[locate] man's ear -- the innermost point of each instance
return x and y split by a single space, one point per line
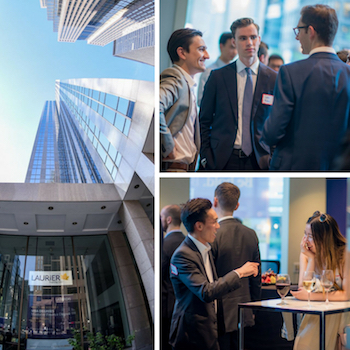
181 53
215 202
234 42
198 226
312 32
169 219
236 206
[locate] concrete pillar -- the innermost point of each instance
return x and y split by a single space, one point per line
139 232
132 293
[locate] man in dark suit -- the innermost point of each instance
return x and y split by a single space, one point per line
235 244
310 114
237 100
171 220
197 316
179 126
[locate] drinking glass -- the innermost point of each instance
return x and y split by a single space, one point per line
327 281
309 283
282 286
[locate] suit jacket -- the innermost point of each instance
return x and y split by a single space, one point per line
235 244
219 116
175 105
170 243
194 324
310 115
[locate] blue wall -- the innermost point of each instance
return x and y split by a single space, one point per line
336 201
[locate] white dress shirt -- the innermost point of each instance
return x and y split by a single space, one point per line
322 49
204 250
185 147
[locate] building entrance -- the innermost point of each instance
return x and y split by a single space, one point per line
50 286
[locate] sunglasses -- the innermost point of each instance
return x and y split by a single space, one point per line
322 218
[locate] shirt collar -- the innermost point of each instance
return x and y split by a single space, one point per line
172 232
241 66
322 49
225 218
203 248
188 78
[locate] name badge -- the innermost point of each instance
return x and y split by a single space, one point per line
174 270
267 99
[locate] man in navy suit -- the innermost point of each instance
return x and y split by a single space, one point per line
310 113
236 101
197 318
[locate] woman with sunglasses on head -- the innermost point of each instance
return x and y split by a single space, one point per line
323 247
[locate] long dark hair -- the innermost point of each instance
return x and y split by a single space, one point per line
330 243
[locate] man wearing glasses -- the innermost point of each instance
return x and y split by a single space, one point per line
310 113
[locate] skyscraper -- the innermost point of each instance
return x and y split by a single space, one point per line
91 222
129 23
95 130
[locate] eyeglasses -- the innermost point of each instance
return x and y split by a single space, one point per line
322 217
297 30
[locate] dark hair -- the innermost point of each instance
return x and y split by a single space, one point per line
343 55
275 57
240 23
181 38
174 211
323 19
224 37
194 210
329 242
263 49
228 195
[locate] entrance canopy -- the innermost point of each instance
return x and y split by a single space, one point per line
56 208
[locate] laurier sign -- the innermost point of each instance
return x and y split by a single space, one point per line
50 278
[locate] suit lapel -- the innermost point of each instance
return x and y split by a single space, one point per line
190 99
211 260
259 88
230 80
190 243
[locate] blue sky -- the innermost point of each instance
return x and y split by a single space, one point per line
31 60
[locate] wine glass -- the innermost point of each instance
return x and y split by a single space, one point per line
309 280
282 286
327 281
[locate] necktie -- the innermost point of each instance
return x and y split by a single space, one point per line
246 114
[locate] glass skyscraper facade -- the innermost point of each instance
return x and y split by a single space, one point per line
127 23
77 134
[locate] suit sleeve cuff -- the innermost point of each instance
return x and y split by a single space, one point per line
239 276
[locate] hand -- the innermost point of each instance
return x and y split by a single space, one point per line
171 155
305 248
300 294
248 269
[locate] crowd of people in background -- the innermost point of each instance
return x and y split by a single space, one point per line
254 112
